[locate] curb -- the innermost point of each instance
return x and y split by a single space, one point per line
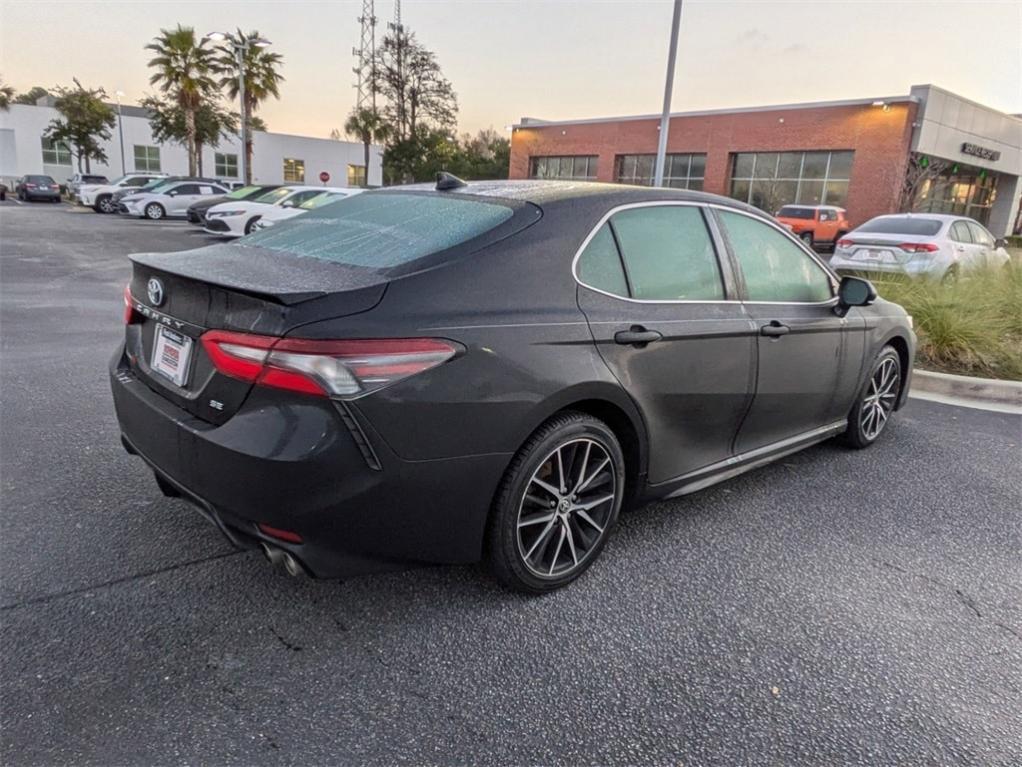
985 390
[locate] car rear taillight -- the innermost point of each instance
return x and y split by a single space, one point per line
325 368
845 243
282 535
919 247
30 186
130 315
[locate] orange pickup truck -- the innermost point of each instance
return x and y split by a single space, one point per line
815 223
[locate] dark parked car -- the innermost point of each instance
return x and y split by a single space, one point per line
197 210
490 370
30 188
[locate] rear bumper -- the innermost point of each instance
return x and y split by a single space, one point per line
303 464
933 268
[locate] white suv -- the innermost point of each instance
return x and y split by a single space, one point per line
99 197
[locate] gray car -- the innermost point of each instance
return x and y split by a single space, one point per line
491 370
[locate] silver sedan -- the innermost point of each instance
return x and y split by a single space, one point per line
928 245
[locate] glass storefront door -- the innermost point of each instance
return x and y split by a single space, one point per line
962 191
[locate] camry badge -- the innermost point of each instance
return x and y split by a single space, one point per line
154 289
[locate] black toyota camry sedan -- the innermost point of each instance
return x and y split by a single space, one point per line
490 371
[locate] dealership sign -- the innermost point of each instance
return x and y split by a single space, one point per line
981 152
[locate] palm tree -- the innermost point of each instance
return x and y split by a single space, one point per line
183 71
368 127
6 96
262 79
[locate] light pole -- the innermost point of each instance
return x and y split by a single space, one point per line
241 46
120 128
665 118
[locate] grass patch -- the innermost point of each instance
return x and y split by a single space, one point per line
970 327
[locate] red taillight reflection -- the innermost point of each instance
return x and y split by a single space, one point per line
280 535
130 315
845 243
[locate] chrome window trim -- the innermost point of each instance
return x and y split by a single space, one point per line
688 203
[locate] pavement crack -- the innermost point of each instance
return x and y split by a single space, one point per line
289 645
44 598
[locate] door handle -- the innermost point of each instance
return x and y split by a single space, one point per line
775 329
637 335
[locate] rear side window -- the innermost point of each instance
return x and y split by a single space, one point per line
382 230
775 268
960 232
980 235
790 211
600 267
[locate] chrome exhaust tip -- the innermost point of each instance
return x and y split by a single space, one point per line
291 565
273 556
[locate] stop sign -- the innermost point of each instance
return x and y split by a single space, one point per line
324 176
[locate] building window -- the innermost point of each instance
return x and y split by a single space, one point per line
770 180
147 158
226 165
294 171
575 167
961 191
55 152
356 175
681 171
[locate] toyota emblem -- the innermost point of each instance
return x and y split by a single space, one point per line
154 289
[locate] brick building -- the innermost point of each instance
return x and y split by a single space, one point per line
854 154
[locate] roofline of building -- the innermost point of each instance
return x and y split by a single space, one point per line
534 122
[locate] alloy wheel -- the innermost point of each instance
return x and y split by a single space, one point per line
154 212
106 205
567 508
880 397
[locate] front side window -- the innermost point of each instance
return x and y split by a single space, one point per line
147 158
55 152
226 165
665 255
573 167
770 180
681 171
775 267
294 171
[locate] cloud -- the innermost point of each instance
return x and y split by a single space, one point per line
753 37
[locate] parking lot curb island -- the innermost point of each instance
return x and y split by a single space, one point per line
968 387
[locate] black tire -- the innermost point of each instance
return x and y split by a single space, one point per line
878 392
582 521
250 223
807 238
950 276
104 204
154 211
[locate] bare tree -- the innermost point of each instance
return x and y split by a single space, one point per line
921 169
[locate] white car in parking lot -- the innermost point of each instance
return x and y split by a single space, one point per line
169 200
100 196
278 213
929 245
237 218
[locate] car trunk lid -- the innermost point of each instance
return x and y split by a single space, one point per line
176 297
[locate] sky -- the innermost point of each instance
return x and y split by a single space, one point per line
553 59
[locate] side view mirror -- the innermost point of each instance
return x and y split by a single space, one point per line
855 291
1001 242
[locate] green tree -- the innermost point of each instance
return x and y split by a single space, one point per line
32 95
6 96
420 157
184 72
416 91
213 123
85 121
368 127
262 79
487 155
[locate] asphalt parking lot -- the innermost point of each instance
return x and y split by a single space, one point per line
838 607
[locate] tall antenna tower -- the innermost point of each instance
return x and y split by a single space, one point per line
397 14
365 59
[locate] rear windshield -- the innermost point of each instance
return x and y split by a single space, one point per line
899 225
40 179
790 211
381 230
